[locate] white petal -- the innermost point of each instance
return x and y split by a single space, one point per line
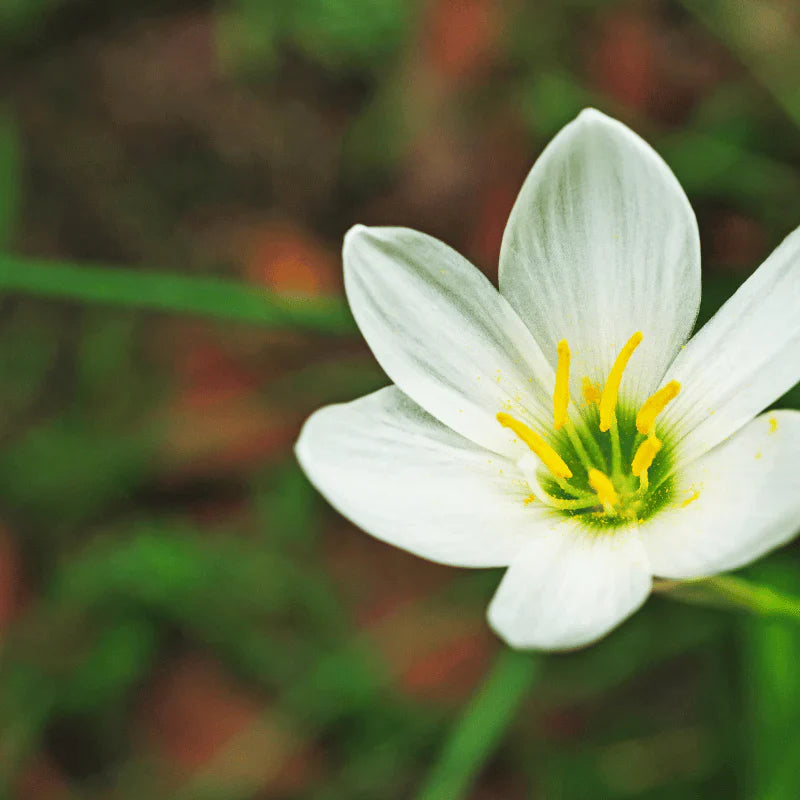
745 358
602 243
734 504
570 586
407 479
444 334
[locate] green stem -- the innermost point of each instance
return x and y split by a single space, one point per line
481 727
590 423
160 291
574 491
729 591
616 449
577 445
577 504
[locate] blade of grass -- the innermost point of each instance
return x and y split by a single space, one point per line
729 591
769 651
212 297
481 727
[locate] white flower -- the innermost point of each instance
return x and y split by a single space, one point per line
561 427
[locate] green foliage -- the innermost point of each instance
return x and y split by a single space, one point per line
484 721
214 297
550 101
20 19
339 34
86 470
113 561
9 178
769 653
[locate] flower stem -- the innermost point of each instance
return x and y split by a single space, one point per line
481 727
729 591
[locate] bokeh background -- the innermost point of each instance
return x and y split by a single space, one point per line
181 616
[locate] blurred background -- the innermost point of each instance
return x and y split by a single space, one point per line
181 616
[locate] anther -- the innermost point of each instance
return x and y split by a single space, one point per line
608 399
645 454
604 489
561 393
654 405
539 446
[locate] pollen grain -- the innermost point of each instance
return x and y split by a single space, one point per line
591 393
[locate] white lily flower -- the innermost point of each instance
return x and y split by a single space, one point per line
561 427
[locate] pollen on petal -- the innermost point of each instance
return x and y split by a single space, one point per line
591 393
691 498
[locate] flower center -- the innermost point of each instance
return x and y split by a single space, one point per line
602 460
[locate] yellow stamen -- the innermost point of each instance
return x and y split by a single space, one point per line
605 490
591 394
608 400
561 393
654 405
645 454
546 454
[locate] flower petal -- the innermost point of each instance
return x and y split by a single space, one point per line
743 359
444 334
734 504
570 586
407 479
601 243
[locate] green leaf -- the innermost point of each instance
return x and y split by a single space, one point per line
145 289
112 386
27 372
770 653
286 510
734 593
482 726
63 474
112 666
340 34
